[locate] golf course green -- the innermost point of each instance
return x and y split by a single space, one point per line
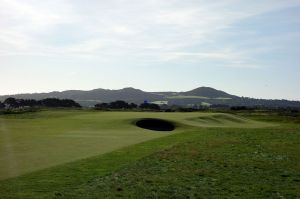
39 140
48 153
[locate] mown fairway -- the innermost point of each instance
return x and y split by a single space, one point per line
86 154
38 140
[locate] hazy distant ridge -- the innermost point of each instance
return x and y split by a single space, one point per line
201 95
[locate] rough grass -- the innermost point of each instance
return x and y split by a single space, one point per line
194 162
34 141
228 164
51 182
226 120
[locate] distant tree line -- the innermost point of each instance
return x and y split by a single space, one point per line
13 103
2 106
122 105
237 102
116 105
119 104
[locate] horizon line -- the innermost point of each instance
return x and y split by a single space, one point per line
60 91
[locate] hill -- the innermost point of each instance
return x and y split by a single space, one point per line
202 96
208 92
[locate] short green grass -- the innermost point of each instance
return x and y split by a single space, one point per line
33 141
227 164
86 154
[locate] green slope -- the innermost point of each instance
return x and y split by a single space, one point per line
230 164
197 163
53 153
35 141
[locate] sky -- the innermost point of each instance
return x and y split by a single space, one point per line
246 48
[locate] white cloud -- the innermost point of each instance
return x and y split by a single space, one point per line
164 30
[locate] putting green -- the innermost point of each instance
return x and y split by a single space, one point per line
33 141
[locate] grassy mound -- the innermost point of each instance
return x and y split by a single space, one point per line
34 141
226 120
86 154
208 163
239 164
